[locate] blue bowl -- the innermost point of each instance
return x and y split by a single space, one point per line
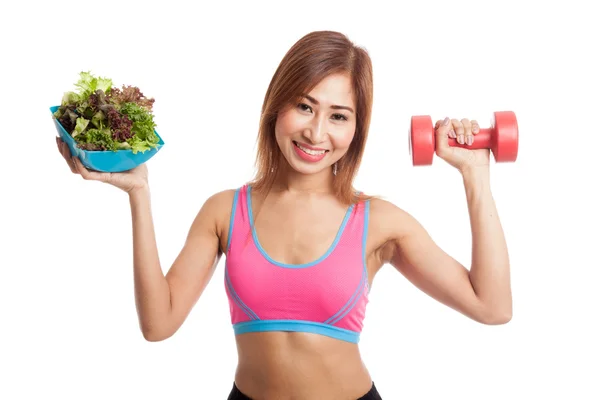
105 160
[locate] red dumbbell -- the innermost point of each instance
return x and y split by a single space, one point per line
502 138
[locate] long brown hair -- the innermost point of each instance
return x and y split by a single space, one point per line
311 59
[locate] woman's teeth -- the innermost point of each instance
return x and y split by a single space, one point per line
309 151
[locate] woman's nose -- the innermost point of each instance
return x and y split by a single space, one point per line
315 131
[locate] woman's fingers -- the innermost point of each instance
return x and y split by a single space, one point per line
466 123
87 174
66 153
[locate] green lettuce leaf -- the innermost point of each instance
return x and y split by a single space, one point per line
88 84
97 139
80 126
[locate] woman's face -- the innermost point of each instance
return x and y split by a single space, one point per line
317 132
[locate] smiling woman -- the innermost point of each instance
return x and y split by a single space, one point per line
303 246
322 74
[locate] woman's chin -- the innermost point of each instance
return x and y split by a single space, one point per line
309 169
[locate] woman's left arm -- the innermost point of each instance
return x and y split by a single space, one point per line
482 292
490 266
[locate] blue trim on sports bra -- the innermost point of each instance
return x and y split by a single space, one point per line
342 312
364 241
232 218
280 264
247 310
297 326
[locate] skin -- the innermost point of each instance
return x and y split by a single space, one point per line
292 365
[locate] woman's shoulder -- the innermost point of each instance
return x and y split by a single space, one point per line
218 208
388 219
220 202
223 195
381 206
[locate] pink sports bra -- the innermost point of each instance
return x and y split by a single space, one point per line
327 296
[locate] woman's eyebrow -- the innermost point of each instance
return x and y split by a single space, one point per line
335 107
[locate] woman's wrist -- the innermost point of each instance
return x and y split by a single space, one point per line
476 179
143 190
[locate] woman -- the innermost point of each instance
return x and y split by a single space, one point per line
303 246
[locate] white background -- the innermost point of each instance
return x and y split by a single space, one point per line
68 322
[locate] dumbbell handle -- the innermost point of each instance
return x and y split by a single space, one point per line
481 140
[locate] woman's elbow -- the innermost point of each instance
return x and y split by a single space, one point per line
155 334
496 317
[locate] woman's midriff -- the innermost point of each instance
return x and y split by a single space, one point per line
274 365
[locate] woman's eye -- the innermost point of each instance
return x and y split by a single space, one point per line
340 117
304 107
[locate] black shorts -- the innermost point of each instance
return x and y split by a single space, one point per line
236 394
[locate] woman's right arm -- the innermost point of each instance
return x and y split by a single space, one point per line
164 302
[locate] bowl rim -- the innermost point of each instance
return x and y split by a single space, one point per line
53 109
